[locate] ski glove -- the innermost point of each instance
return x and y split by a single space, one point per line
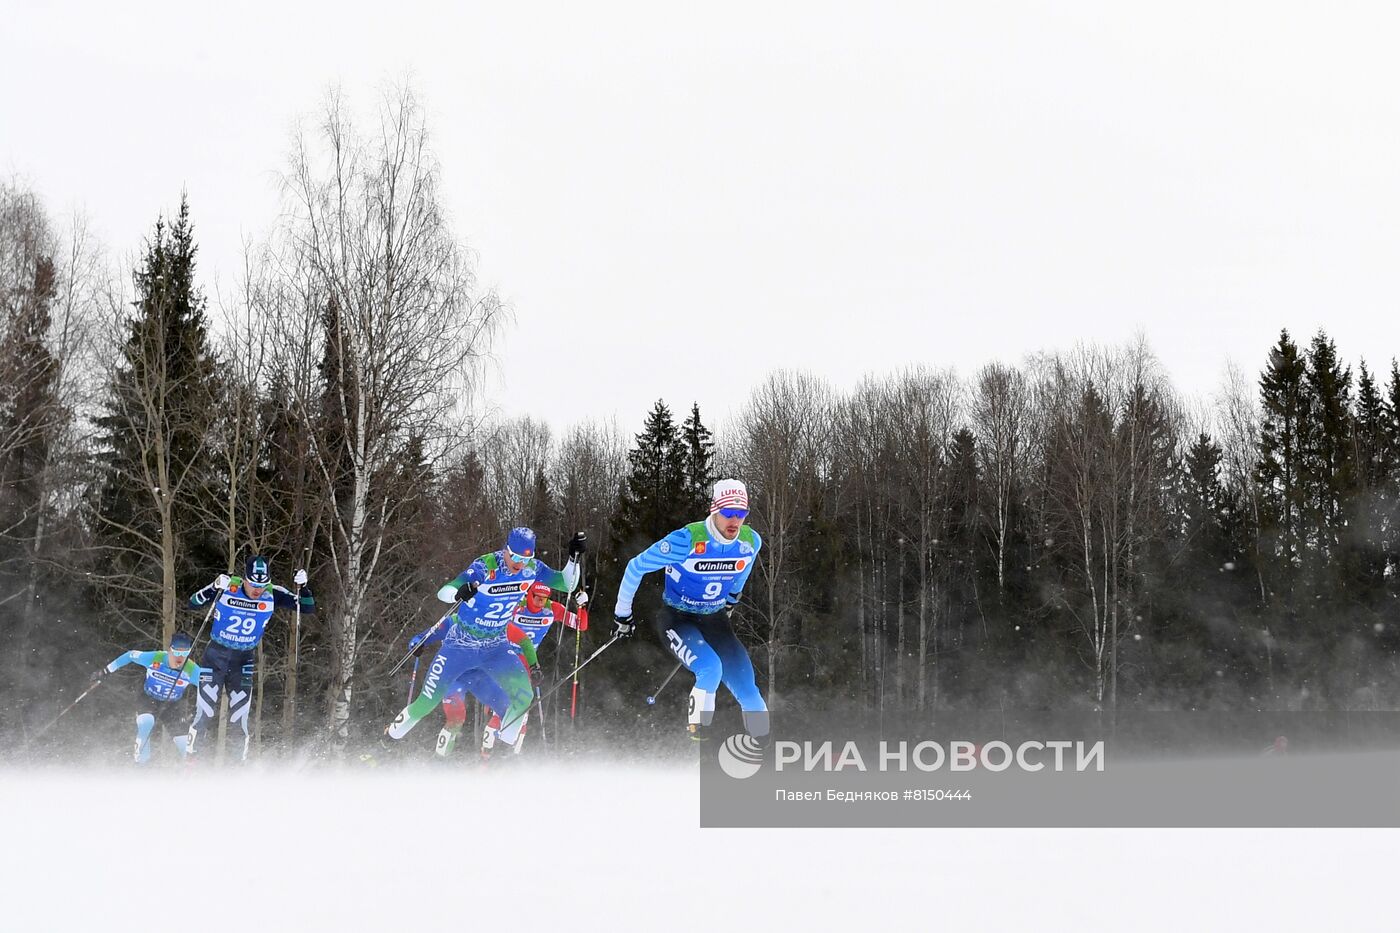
299 578
623 626
414 642
536 676
578 545
221 582
581 599
466 591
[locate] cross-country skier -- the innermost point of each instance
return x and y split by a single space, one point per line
706 565
242 609
476 647
454 704
534 616
168 673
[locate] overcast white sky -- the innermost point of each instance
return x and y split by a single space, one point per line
675 199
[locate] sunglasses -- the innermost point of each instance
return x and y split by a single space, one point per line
734 513
519 558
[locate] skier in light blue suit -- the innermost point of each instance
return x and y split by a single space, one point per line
168 674
706 565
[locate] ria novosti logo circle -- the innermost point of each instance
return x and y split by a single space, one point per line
740 756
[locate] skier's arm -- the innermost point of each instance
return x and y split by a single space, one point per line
671 549
193 673
562 580
517 637
211 591
286 599
143 658
425 636
476 573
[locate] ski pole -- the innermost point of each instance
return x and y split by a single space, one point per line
651 700
296 632
540 702
578 644
53 722
91 687
411 651
573 700
550 692
193 733
213 604
413 679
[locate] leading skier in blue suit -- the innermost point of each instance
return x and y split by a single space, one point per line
706 564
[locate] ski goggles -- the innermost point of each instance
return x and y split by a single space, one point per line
733 513
519 558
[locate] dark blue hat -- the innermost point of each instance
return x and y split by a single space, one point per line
258 571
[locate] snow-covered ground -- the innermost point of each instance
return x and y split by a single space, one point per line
616 848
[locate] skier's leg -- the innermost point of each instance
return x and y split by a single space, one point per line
504 667
454 708
165 720
448 664
145 722
170 719
681 636
240 700
738 675
216 664
525 719
488 735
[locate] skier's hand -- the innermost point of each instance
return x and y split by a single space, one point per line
581 599
466 591
623 626
221 582
414 642
578 546
97 676
536 676
299 578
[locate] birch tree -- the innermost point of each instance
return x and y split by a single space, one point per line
925 409
365 228
782 454
999 413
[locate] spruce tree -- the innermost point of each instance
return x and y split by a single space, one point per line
1367 517
656 496
654 501
151 453
699 455
1203 503
1284 428
1328 467
957 556
1373 462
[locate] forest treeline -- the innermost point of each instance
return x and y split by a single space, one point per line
1067 531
